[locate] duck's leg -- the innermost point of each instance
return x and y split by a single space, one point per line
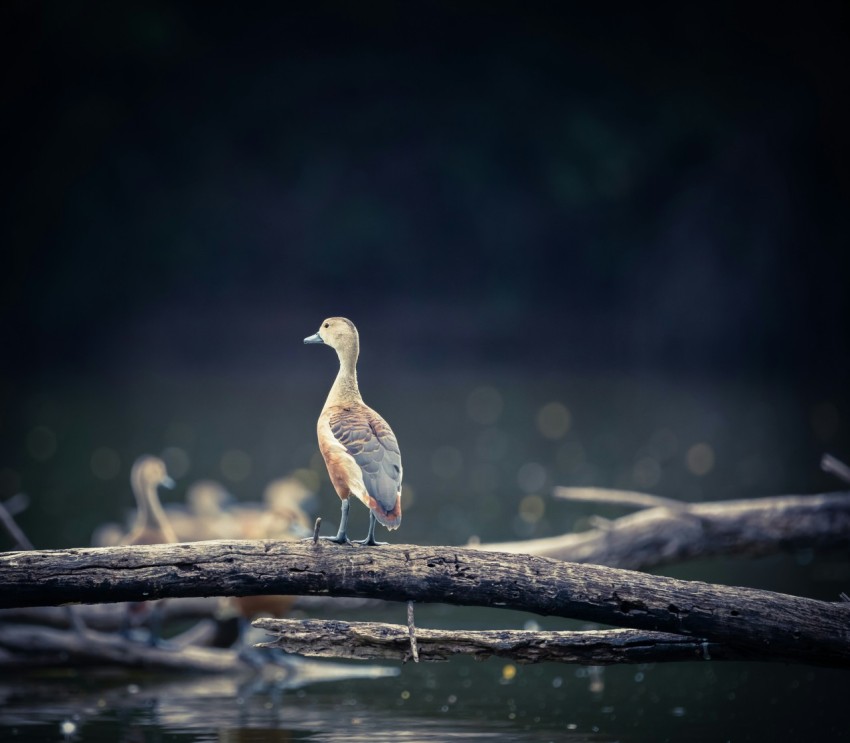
370 537
341 536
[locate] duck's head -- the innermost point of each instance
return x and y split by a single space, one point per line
339 333
151 471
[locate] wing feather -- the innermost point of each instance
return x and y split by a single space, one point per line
372 444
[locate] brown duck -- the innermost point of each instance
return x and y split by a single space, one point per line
151 525
359 447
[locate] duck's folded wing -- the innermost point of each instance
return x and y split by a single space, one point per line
370 441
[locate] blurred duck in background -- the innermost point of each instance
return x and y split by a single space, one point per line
211 512
150 526
150 523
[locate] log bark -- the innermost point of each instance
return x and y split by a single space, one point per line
759 622
676 533
372 640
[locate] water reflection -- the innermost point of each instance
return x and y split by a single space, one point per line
464 700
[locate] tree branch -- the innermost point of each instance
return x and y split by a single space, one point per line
371 640
761 622
31 646
662 535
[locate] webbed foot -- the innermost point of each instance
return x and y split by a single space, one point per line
369 542
338 539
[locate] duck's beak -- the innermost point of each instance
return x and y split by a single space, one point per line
167 482
314 339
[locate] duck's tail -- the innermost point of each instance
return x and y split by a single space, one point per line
392 518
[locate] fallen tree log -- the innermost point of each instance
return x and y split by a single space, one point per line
763 623
33 646
671 531
370 640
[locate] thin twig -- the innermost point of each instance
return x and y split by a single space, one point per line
618 498
316 528
17 503
15 531
836 467
23 541
411 631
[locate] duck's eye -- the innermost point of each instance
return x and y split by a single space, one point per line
327 324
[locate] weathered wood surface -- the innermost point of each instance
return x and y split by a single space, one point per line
680 531
749 619
371 640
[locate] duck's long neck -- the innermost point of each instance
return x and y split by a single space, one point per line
158 516
150 512
345 389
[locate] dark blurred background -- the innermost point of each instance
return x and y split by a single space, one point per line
536 200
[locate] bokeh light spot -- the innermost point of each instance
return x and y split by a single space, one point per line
531 477
105 463
700 459
484 405
532 508
508 672
41 443
553 420
235 465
